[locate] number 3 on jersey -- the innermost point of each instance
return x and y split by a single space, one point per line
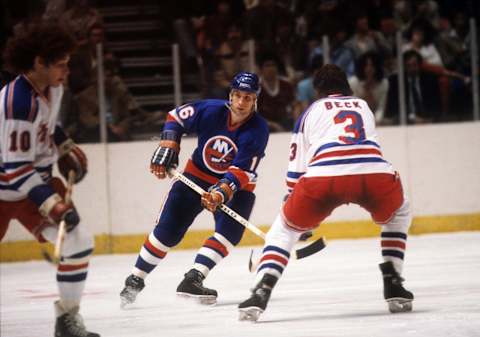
355 130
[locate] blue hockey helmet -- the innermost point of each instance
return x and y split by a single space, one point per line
245 81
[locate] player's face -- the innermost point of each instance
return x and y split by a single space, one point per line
242 103
57 72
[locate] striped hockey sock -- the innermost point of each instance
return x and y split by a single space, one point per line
274 260
393 248
152 252
212 252
71 275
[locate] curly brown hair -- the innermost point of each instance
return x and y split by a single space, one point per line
331 79
45 39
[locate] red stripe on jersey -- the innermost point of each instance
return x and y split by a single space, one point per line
7 177
194 170
72 267
393 243
346 153
11 89
274 257
241 175
170 118
217 246
157 252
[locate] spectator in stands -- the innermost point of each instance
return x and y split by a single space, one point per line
292 51
365 39
420 38
276 98
454 42
402 13
340 54
370 83
422 93
306 94
231 58
80 18
262 21
83 82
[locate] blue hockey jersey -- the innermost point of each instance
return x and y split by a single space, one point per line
223 150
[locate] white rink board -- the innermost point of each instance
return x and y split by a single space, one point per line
439 166
336 293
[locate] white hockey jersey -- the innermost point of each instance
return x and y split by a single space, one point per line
27 125
335 136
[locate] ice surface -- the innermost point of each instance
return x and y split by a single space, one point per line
337 292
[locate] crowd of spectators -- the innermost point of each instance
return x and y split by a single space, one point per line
361 39
289 43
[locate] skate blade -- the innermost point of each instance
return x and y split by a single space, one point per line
199 299
124 302
396 305
249 314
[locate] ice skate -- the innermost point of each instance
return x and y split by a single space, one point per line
192 287
253 307
70 323
398 298
133 285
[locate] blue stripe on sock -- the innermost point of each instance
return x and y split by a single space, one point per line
72 278
144 265
394 253
81 254
202 259
397 235
276 249
272 266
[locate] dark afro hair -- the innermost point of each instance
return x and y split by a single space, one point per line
331 79
45 39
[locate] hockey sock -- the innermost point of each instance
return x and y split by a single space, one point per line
394 237
151 253
276 252
212 252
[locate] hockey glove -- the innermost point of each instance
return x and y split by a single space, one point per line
165 156
218 194
72 158
57 210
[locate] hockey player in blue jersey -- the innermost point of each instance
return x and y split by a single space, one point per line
31 142
232 138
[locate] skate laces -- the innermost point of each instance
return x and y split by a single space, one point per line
135 283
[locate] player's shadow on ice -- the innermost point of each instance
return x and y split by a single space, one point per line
339 316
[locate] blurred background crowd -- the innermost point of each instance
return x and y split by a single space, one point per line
284 41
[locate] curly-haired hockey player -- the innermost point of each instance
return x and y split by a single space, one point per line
335 159
30 143
232 138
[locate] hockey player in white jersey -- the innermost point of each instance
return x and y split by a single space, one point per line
31 142
335 159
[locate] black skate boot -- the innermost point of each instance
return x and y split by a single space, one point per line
251 309
133 285
70 323
398 298
192 287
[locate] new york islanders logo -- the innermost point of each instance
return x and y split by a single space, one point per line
218 153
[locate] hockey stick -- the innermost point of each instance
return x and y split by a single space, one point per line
62 228
301 253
